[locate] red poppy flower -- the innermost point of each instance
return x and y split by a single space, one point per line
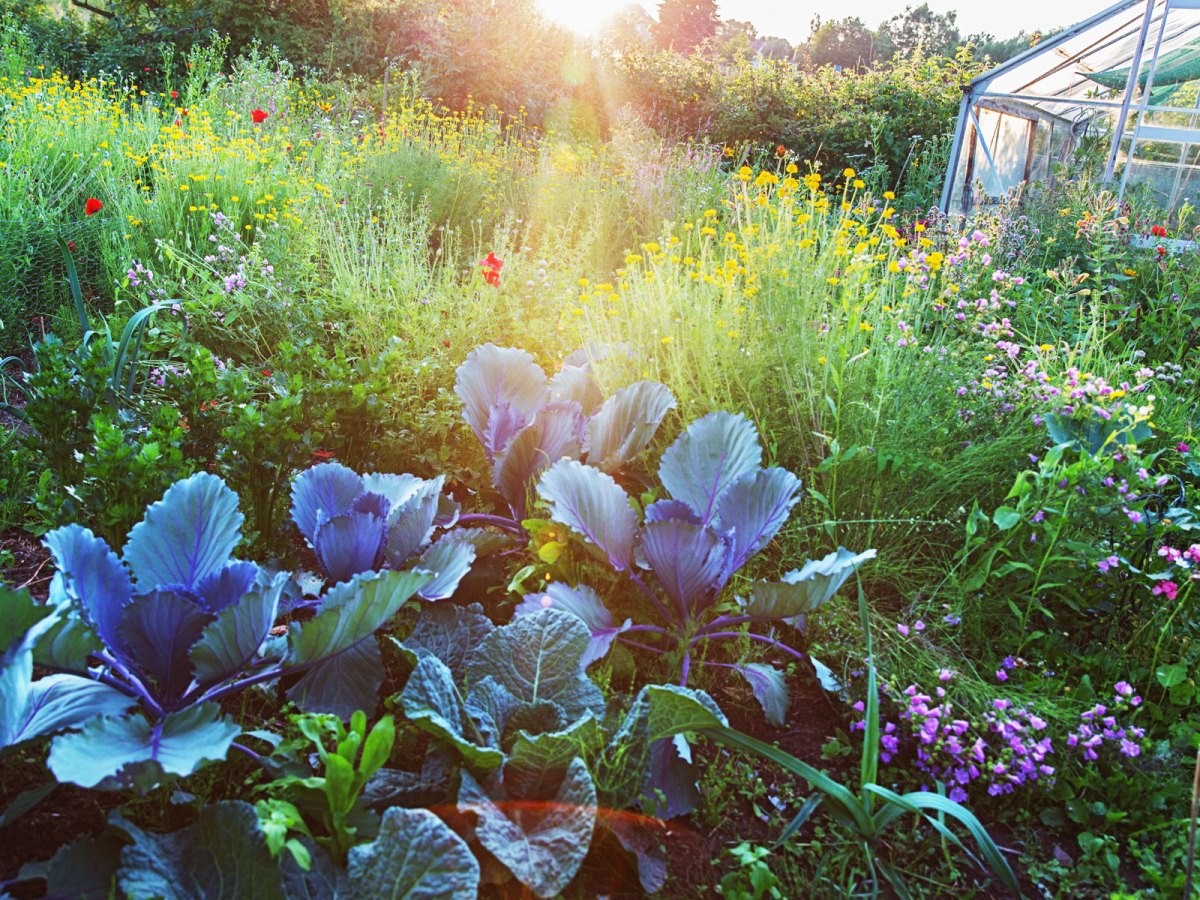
266 373
1162 251
491 265
92 206
781 150
174 95
179 123
71 246
322 454
446 344
258 116
1158 231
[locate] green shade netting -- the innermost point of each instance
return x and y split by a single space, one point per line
1175 68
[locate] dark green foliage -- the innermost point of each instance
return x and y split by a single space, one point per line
847 42
834 119
685 24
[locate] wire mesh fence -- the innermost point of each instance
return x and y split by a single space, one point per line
35 296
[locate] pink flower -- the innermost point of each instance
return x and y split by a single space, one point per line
1166 589
1170 554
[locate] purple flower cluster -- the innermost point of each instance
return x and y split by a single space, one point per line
1004 749
1099 725
143 277
232 267
138 273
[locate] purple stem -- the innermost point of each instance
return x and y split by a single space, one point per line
473 519
219 693
653 628
626 640
687 666
257 757
200 692
754 637
127 683
727 622
663 610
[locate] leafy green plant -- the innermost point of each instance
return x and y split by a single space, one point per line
227 852
126 467
540 761
1083 531
753 877
335 795
123 355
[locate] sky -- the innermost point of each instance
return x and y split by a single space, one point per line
790 18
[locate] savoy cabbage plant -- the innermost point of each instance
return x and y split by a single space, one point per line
153 640
542 764
226 853
722 508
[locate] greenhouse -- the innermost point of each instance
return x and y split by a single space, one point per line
1118 90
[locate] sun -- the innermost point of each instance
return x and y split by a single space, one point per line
586 17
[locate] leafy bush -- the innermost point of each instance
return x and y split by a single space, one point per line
836 119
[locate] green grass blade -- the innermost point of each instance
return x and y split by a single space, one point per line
995 859
869 769
130 345
85 325
806 811
835 793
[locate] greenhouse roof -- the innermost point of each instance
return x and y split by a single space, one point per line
1087 66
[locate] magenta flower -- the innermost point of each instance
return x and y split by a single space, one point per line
1168 589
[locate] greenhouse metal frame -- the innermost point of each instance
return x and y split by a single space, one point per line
1122 86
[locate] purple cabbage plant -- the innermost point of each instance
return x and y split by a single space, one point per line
363 523
526 421
722 508
153 640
